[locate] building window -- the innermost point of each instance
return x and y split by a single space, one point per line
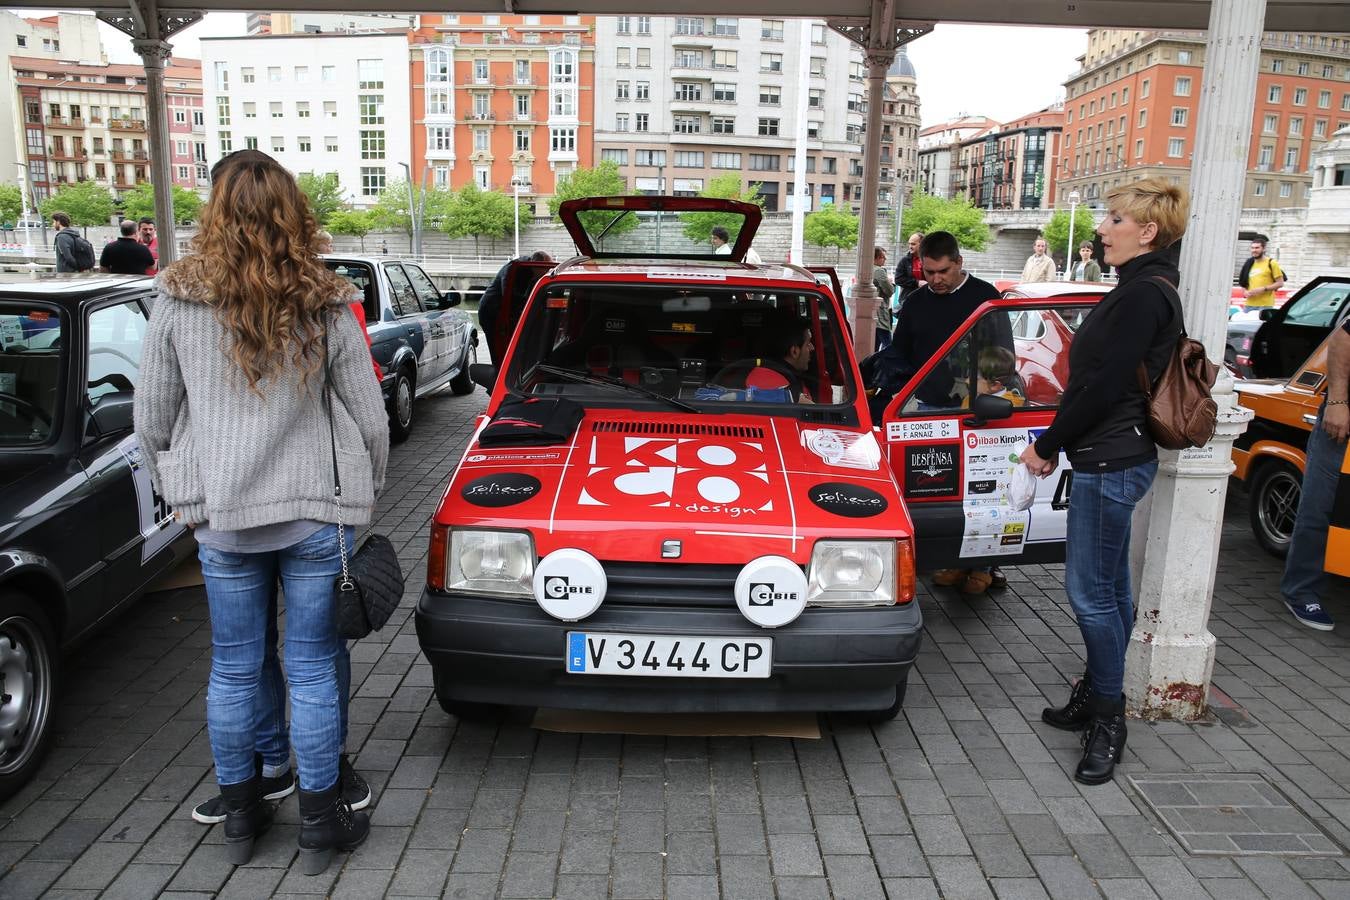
644 57
198 118
1138 149
250 110
1274 94
1260 188
726 160
1179 115
328 73
650 158
623 57
1143 90
438 99
688 25
222 77
1176 147
442 176
274 74
771 62
615 156
563 140
439 138
621 121
1320 128
1143 118
1300 96
480 140
278 144
621 24
1302 68
371 108
1266 157
226 143
302 74
522 140
522 106
181 148
304 144
1184 57
1290 158
688 124
222 110
1270 124
1182 87
644 24
818 65
688 59
480 71
771 29
370 77
620 90
1286 189
723 92
372 181
1277 66
564 104
689 159
1324 99
275 109
641 122
482 176
724 59
179 116
687 91
372 144
330 145
1295 126
330 109
564 67
813 130
768 128
765 162
246 75
250 143
723 124
726 27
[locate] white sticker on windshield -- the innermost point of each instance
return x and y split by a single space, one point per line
847 449
922 430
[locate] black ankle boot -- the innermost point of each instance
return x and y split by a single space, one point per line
327 823
247 815
1075 714
1103 742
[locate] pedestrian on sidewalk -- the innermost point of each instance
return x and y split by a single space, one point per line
882 279
1102 425
1039 266
255 383
1304 573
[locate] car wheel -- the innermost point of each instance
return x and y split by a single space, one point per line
462 383
401 407
464 709
1273 505
29 663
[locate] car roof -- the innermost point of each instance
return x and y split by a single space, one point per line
73 290
368 260
1050 290
702 271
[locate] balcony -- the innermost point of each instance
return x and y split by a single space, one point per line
64 122
130 156
62 153
126 124
480 117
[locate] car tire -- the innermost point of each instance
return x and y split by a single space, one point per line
465 709
29 669
462 383
401 403
1273 504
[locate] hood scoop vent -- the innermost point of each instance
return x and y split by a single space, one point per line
677 429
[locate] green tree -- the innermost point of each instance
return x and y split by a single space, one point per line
1056 232
927 213
86 202
11 203
355 222
390 211
602 181
473 212
831 226
698 226
140 202
325 195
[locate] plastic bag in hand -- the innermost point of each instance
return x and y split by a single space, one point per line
1022 488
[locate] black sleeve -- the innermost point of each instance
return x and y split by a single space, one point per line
901 348
103 257
904 274
491 300
1244 276
1121 342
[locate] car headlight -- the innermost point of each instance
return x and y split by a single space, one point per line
851 573
490 562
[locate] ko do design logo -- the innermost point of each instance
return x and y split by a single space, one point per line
729 478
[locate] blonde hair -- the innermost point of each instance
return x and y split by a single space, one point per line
1153 200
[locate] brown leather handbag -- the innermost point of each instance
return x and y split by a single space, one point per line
1181 411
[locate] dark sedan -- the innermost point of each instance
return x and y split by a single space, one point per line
82 531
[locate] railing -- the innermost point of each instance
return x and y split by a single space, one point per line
64 122
480 117
127 124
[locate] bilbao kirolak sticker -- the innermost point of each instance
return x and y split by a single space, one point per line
844 499
500 489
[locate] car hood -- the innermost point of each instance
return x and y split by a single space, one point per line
727 488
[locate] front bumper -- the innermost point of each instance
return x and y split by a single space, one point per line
511 652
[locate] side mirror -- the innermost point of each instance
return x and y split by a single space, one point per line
111 413
1267 314
484 375
988 407
451 298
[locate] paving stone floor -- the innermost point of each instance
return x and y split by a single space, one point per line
966 794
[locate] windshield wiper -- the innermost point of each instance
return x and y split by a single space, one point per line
611 381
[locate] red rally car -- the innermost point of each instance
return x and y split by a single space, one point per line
675 500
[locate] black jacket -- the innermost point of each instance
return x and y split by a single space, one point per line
904 274
1102 423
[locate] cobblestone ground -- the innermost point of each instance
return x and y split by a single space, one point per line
965 795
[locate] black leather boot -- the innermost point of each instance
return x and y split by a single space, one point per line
1103 742
247 815
1075 714
327 823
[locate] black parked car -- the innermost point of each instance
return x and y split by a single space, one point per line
417 336
82 532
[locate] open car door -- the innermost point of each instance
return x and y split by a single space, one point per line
955 431
521 277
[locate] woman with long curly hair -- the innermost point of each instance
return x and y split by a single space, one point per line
255 376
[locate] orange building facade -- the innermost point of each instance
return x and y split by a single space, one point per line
1131 112
502 101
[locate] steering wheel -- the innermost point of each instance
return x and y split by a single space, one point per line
118 353
34 411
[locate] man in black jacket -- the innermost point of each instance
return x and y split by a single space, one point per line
908 276
489 307
127 255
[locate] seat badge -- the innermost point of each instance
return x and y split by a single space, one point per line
671 549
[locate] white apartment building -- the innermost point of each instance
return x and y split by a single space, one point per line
680 100
325 23
68 36
316 102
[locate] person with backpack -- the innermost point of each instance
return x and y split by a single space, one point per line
1261 277
1102 425
73 252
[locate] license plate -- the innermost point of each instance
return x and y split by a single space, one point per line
668 656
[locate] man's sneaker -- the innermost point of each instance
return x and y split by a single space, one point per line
354 788
210 812
1312 615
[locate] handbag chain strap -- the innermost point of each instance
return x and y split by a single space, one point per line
332 446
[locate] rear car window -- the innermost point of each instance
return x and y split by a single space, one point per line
31 352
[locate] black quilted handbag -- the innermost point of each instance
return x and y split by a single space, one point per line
371 584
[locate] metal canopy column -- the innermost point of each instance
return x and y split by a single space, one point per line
149 31
880 37
1171 653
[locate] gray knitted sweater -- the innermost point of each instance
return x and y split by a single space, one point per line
222 454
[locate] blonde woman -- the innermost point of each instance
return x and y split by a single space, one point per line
250 354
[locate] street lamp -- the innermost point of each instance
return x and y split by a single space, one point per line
901 184
27 211
1074 197
516 184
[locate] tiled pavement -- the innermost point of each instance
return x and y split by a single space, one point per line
965 795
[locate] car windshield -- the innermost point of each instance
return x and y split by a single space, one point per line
363 279
702 345
30 374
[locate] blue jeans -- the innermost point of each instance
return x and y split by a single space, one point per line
269 723
1304 567
1097 567
241 591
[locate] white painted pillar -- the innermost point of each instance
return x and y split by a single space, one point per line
154 54
1175 551
797 253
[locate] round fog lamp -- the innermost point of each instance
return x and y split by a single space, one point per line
771 591
569 584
